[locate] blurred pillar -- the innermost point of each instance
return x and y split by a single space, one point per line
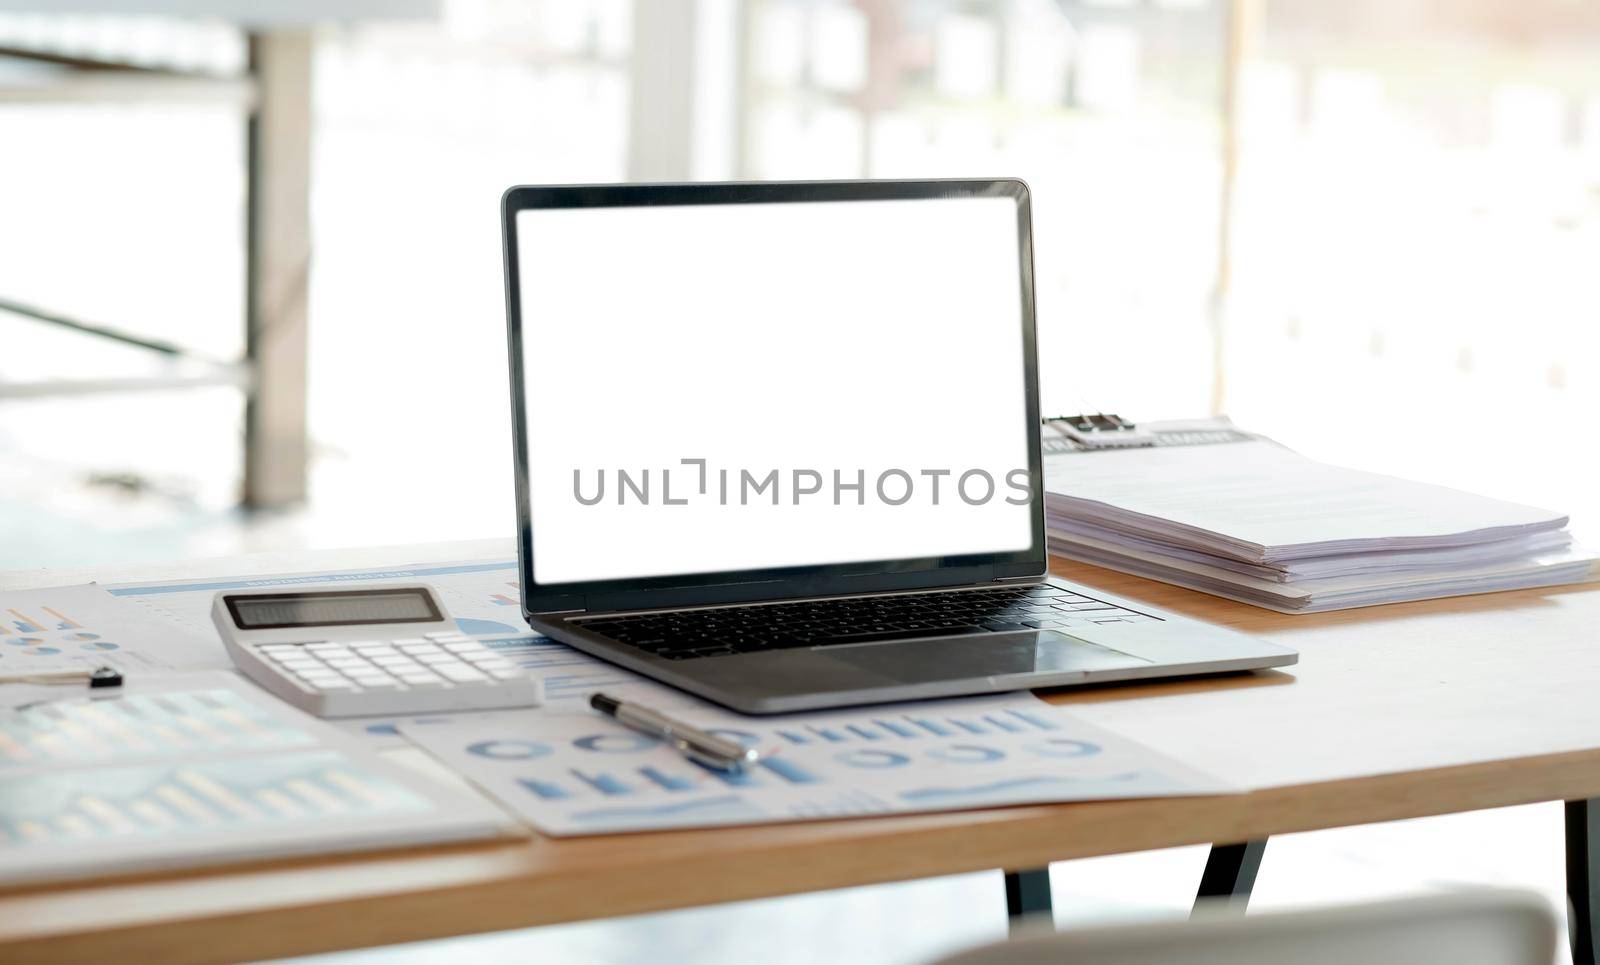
278 255
661 124
1241 24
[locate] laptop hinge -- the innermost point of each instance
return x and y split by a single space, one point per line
1017 579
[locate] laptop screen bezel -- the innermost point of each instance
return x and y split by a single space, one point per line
829 579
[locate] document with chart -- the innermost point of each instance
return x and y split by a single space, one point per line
63 628
482 596
572 773
199 769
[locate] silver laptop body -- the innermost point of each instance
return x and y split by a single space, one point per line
777 444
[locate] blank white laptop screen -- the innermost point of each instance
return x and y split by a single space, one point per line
731 387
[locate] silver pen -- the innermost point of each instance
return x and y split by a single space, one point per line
690 741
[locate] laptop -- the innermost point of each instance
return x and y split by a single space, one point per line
777 445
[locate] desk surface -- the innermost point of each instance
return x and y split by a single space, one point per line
1393 712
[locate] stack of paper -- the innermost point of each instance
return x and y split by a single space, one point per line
1247 519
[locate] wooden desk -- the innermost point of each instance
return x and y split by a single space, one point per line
1394 712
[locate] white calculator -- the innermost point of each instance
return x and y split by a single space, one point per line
389 649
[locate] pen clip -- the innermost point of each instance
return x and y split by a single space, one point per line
703 758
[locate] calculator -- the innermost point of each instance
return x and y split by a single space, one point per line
390 649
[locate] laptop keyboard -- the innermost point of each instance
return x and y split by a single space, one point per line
728 630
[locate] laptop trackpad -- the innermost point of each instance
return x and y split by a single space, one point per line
983 655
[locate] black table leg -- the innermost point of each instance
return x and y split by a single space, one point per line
1027 894
1231 873
1583 879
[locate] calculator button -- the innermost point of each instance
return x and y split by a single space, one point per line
443 635
461 674
370 650
515 673
300 666
430 682
416 648
347 663
494 664
394 660
387 683
463 646
339 685
279 648
436 658
408 641
322 646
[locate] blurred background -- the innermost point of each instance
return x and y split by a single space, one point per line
1368 228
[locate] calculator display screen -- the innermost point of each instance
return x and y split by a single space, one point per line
335 608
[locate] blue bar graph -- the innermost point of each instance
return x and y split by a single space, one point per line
862 732
828 734
794 738
967 725
544 789
938 730
1036 721
1002 723
733 778
604 783
895 728
789 771
667 780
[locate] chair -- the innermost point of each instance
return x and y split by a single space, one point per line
1488 927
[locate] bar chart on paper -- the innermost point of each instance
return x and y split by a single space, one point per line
28 629
81 627
141 725
165 799
580 773
198 768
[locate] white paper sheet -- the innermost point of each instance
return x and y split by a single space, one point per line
82 627
201 768
574 773
482 596
1570 566
1259 502
1515 549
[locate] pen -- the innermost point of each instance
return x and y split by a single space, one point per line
691 742
96 679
